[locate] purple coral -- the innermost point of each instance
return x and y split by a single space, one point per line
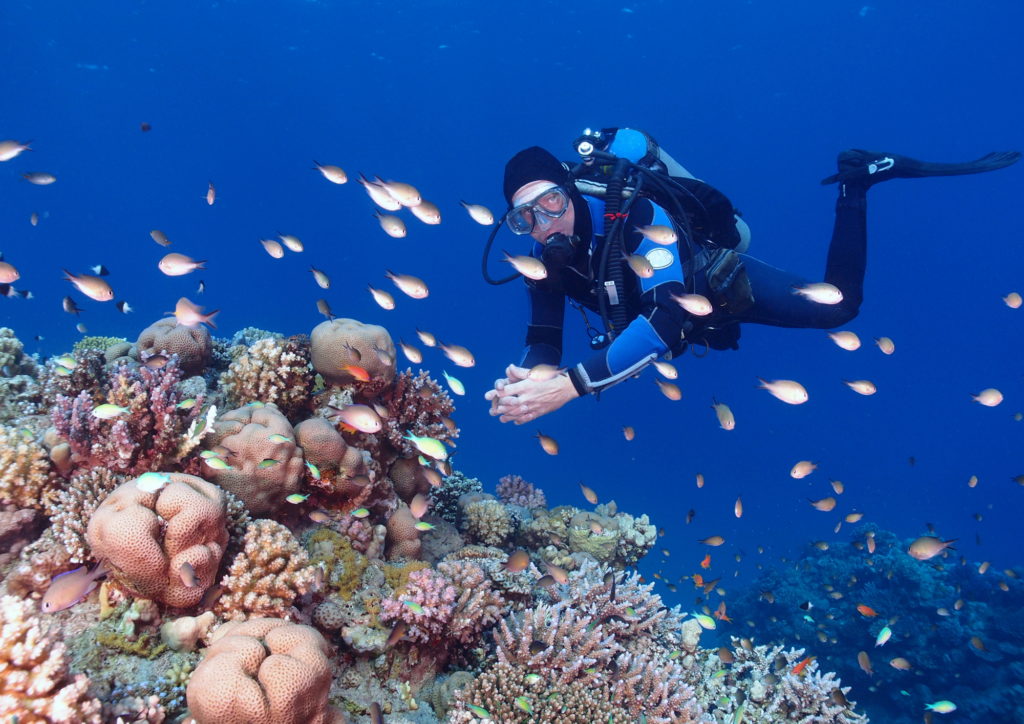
432 597
146 438
513 490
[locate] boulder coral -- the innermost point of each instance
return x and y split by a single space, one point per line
403 540
271 370
265 671
329 343
194 347
408 479
148 537
246 433
324 447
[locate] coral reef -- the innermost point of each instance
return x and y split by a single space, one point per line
150 537
403 540
329 351
146 438
444 501
488 522
267 575
12 355
192 346
98 343
513 490
24 471
246 432
271 370
264 672
72 508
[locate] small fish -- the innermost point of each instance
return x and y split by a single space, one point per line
862 387
176 265
211 194
715 540
123 307
334 174
799 668
99 270
411 353
853 517
942 707
423 525
544 372
589 494
725 416
39 178
357 372
93 287
325 309
706 563
900 663
385 300
419 504
321 278
70 588
426 337
528 266
146 128
825 504
152 482
927 547
628 432
820 293
523 703
532 679
66 361
768 596
426 212
696 304
379 194
480 214
865 662
705 621
273 248
690 515
700 480
548 444
155 362
658 233
461 356
218 464
883 636
738 508
34 219
188 575
70 307
210 597
313 470
279 439
670 390
457 387
665 369
409 285
989 398
1013 300
866 611
109 412
837 486
160 237
428 446
978 643
360 513
12 149
292 242
202 287
517 562
479 711
847 340
559 574
392 225
191 315
376 714
885 344
319 516
296 498
268 463
362 417
396 633
788 391
405 194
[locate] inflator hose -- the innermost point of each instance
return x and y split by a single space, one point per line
614 248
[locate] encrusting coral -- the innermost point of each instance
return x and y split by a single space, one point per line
271 370
149 537
35 684
265 671
24 471
267 576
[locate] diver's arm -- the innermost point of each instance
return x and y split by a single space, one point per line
544 332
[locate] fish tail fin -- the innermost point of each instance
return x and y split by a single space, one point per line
208 318
68 276
388 274
463 204
795 289
101 569
317 165
763 385
199 264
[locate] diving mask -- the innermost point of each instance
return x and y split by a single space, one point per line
539 212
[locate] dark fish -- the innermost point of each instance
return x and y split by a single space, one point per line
930 527
361 480
546 581
396 633
70 307
210 597
689 516
517 562
202 287
100 270
155 362
911 461
671 587
771 679
123 307
146 128
188 575
536 647
609 580
376 715
978 538
839 698
806 606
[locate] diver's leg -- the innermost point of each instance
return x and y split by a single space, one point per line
776 305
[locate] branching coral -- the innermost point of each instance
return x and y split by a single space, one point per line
488 522
444 501
24 471
35 685
513 490
38 563
74 505
271 370
267 575
144 439
12 354
98 343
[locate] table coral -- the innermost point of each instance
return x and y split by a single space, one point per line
193 346
271 370
329 353
72 509
148 537
24 471
146 438
35 684
267 576
246 433
513 490
264 672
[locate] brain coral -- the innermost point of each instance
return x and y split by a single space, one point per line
271 370
328 352
265 671
148 537
246 433
194 347
324 446
403 540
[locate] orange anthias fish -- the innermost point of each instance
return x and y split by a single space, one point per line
358 372
698 580
706 563
720 613
867 611
799 668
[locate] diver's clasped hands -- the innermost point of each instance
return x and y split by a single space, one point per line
518 399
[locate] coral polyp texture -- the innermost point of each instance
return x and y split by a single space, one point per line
259 560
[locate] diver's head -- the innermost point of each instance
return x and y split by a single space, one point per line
540 195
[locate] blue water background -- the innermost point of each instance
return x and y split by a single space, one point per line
754 97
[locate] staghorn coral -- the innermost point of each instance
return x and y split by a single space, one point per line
144 439
194 347
72 509
488 522
35 684
149 537
246 433
271 370
513 490
444 501
477 606
24 471
263 672
653 689
267 575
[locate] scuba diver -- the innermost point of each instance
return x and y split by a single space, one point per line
630 235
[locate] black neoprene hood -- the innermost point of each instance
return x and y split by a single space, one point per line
536 164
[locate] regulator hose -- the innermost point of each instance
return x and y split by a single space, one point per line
618 319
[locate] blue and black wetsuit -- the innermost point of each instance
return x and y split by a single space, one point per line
658 326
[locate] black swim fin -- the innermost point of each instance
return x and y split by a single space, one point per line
867 168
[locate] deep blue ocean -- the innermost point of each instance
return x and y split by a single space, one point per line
756 98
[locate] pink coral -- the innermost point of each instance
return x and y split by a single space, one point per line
513 490
403 540
265 671
336 460
431 592
194 347
149 537
246 432
146 438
